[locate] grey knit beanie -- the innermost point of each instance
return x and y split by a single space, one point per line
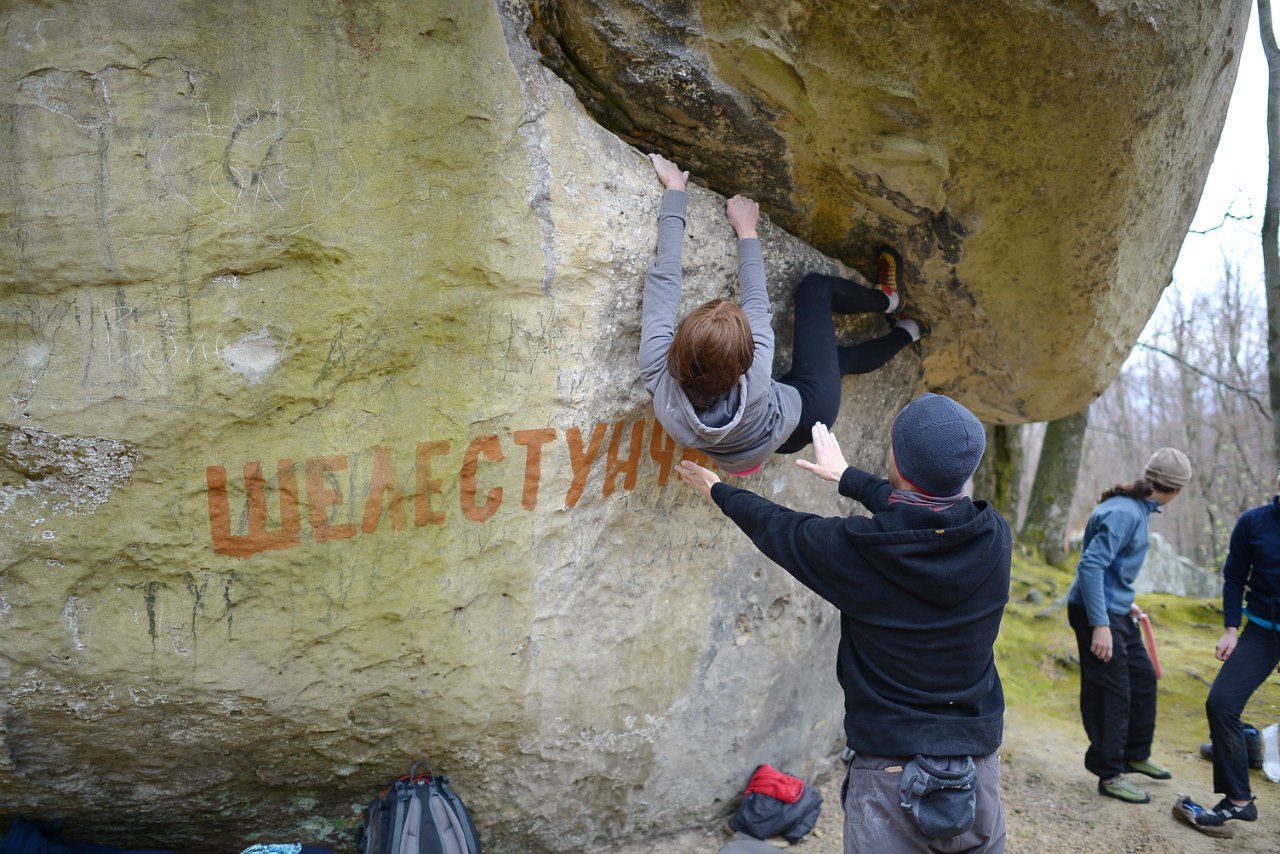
937 444
1168 468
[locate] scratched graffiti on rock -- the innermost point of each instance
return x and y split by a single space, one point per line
157 350
123 341
272 171
279 504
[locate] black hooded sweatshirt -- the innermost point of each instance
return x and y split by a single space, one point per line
920 594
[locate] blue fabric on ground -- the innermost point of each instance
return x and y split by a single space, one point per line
27 837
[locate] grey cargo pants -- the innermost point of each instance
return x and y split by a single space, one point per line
876 823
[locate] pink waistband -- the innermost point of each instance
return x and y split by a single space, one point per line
746 472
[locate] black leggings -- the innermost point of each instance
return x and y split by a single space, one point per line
1254 659
817 363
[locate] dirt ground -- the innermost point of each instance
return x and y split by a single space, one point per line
1052 806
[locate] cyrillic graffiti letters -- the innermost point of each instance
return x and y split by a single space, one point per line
258 538
384 481
321 496
492 450
533 440
628 467
482 470
427 487
581 460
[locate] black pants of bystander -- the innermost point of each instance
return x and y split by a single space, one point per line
1117 697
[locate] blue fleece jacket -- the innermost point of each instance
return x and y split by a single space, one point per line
1253 559
1115 545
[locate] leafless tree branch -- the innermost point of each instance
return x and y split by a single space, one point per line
1226 216
1250 395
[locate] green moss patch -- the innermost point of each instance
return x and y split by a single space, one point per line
1039 663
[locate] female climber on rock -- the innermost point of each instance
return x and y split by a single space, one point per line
711 376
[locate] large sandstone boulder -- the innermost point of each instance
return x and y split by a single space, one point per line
323 448
1038 161
1166 571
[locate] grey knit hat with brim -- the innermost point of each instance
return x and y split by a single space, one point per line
1169 469
937 444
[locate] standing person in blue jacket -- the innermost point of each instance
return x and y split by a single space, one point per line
1117 681
1249 657
711 376
921 586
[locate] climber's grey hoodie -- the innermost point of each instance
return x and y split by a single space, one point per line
741 430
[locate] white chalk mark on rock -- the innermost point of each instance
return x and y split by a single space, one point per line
255 356
70 612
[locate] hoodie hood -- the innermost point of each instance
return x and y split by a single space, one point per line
720 419
739 431
923 559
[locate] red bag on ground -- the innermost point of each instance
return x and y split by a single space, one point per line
768 780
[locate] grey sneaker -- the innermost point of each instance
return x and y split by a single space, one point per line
1152 769
1121 789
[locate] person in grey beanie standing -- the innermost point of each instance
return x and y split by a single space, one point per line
1117 680
921 586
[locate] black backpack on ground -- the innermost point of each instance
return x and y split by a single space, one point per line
417 814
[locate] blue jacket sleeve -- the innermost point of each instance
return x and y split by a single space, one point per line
662 288
1113 530
1235 573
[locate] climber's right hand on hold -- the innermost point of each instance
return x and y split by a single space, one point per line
744 216
669 173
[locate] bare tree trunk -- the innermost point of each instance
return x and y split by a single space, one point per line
1271 217
1054 489
999 476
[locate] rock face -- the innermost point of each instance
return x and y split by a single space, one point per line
323 448
1166 571
1038 161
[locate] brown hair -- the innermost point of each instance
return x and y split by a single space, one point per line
1140 488
712 347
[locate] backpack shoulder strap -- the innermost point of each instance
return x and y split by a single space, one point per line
466 827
